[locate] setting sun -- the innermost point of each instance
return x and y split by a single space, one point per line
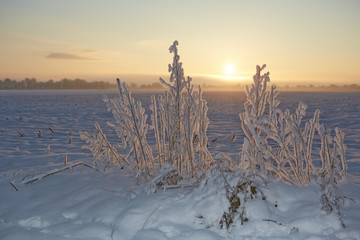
229 69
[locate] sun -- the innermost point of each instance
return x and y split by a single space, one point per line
230 73
229 69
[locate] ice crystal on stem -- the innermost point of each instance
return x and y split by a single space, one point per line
276 144
179 122
183 121
131 127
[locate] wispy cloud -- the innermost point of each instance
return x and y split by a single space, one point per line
66 56
67 50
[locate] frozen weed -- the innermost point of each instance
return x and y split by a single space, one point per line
179 122
277 143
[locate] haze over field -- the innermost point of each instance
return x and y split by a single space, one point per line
303 42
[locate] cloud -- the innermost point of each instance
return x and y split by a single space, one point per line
66 56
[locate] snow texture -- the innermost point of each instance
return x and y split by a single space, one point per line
85 204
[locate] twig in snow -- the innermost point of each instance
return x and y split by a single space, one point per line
13 185
112 230
151 215
165 187
37 178
21 133
273 221
108 189
233 138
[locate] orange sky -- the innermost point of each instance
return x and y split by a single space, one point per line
302 42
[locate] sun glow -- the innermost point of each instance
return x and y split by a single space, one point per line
229 74
229 69
230 78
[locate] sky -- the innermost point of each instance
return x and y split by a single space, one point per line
302 42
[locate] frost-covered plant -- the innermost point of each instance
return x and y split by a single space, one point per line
234 191
254 107
182 139
131 127
179 122
238 195
276 143
104 154
331 170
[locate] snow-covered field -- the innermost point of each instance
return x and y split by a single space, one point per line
82 203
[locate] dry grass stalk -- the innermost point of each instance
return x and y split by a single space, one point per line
22 134
55 171
13 185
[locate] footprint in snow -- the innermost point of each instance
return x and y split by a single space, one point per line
34 222
69 215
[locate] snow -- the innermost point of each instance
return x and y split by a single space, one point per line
81 203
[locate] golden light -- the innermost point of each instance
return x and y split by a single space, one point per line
229 69
230 74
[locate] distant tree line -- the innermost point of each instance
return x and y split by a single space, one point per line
150 86
32 83
326 88
298 88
